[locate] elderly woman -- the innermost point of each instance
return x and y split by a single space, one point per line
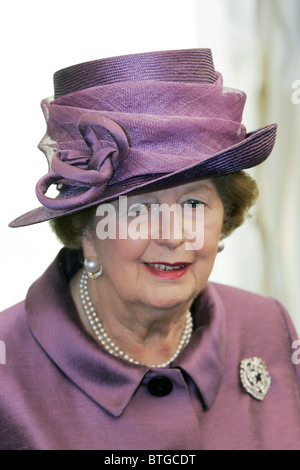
123 343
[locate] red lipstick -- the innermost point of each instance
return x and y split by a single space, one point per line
168 271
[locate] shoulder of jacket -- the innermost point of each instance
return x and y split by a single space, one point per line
234 297
11 319
254 312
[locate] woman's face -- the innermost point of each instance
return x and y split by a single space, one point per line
159 269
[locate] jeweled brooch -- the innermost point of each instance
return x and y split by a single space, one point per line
255 377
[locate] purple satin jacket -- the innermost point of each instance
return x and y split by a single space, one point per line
60 391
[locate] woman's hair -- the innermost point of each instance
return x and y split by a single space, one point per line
238 192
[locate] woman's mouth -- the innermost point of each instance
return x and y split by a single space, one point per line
167 270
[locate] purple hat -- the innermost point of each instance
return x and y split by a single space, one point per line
139 123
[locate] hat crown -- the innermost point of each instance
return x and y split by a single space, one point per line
190 65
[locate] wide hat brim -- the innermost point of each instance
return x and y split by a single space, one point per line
250 152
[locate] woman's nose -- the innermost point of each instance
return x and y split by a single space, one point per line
167 227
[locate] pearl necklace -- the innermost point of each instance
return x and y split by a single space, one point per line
107 343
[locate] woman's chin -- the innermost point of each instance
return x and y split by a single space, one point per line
165 301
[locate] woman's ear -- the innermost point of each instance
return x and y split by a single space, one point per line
88 247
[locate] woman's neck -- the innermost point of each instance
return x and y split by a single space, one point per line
149 335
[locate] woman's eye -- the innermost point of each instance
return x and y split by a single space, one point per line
137 209
193 204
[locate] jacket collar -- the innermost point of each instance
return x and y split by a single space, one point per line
109 381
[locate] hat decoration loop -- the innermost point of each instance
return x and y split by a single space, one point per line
91 170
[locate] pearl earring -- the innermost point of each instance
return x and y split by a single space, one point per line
221 246
93 268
